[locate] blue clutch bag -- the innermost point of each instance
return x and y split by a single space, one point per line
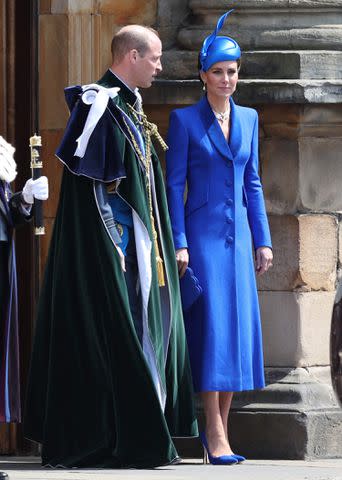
190 289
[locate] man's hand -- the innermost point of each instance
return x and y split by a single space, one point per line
264 257
38 189
8 167
182 258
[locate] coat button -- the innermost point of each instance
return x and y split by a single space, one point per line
229 201
228 183
229 239
229 220
229 164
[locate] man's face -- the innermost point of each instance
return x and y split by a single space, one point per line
148 66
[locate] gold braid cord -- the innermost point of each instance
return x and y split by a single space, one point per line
148 130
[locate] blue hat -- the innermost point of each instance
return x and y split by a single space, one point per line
218 49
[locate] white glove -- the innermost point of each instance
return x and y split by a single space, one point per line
8 167
38 189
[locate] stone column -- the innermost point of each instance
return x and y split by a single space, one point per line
292 74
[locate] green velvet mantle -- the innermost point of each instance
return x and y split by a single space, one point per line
91 400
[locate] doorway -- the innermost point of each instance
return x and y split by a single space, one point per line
18 121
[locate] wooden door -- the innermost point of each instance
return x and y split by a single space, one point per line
18 121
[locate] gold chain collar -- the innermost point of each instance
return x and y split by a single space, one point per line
148 130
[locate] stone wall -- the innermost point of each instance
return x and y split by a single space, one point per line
291 73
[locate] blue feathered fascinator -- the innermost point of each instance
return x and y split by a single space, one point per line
218 48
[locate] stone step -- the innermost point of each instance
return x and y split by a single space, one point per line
250 92
268 24
203 6
279 64
249 38
298 406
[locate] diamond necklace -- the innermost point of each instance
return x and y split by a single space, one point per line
222 116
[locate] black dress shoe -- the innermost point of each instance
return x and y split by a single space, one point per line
3 475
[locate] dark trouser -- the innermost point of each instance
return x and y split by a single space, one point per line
133 284
4 281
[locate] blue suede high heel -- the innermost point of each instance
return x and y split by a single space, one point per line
221 460
239 458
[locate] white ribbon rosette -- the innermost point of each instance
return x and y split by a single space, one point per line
8 167
98 97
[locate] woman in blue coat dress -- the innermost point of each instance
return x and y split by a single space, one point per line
213 149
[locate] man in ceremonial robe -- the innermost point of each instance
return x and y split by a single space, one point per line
110 381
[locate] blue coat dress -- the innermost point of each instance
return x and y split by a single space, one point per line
223 217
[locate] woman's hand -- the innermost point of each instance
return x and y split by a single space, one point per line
182 258
264 257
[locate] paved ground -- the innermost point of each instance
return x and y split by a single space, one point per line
29 469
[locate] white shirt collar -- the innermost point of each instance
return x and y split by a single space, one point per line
135 91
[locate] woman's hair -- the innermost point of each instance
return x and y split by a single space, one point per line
199 65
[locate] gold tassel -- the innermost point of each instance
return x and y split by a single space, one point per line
160 272
154 131
159 260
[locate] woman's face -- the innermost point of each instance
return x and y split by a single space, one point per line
221 78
